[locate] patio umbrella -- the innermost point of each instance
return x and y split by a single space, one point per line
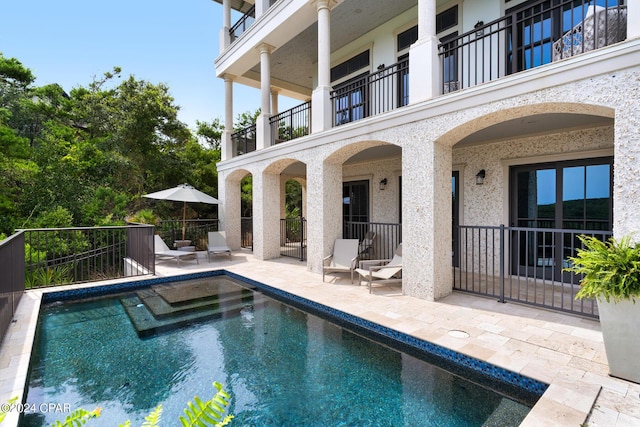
183 193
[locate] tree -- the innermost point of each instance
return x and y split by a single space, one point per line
211 133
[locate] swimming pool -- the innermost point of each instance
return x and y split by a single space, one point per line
281 365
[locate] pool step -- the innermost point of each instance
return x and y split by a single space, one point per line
161 308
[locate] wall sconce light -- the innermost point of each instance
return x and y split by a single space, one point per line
479 24
380 67
383 184
480 177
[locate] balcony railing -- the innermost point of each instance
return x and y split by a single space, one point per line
195 231
377 93
534 35
244 140
243 24
57 256
291 124
378 240
11 278
521 264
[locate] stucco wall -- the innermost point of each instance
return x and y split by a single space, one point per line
487 204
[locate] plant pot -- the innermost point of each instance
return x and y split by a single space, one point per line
620 323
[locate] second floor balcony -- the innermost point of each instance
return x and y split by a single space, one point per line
526 37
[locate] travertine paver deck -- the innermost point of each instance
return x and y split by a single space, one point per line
564 351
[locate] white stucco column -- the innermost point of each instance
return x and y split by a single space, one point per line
266 216
274 102
261 7
321 96
626 184
426 219
633 19
225 38
227 148
263 129
424 65
324 210
229 209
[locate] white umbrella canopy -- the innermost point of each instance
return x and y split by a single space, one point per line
183 193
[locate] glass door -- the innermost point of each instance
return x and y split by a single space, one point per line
573 195
355 209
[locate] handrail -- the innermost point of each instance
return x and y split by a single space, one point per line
291 124
243 23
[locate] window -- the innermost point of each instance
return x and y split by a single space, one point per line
538 25
350 66
573 195
447 19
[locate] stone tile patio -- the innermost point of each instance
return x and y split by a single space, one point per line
562 350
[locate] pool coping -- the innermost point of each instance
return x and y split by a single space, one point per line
34 299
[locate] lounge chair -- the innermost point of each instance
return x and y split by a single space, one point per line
162 251
344 258
382 271
217 244
365 250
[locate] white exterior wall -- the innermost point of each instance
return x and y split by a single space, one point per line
428 132
487 204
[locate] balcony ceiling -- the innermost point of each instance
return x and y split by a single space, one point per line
294 64
539 124
239 5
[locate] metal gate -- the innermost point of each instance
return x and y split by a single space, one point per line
293 238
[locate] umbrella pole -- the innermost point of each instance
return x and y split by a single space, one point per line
184 218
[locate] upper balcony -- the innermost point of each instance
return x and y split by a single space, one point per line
527 35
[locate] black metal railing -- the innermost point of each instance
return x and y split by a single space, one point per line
378 240
528 37
291 124
293 238
195 231
244 140
12 270
377 93
57 256
246 232
522 264
243 24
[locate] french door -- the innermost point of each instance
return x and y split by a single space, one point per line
573 195
355 209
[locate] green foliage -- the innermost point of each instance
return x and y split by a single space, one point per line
611 269
3 413
48 276
201 414
144 216
211 133
78 417
211 412
95 150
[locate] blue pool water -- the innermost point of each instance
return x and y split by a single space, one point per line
282 366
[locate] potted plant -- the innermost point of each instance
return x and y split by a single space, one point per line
611 274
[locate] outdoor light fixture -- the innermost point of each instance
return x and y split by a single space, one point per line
480 177
383 184
479 24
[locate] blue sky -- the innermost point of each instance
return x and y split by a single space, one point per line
161 41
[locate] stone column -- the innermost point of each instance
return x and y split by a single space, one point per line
324 210
633 19
424 65
626 185
227 148
321 96
263 128
229 209
261 7
225 37
426 219
266 218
